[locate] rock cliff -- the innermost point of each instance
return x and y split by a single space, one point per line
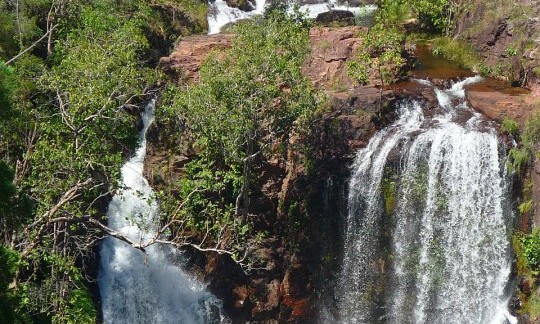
301 200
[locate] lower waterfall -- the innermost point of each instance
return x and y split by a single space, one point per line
151 289
429 220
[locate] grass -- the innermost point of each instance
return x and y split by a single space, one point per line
532 306
458 52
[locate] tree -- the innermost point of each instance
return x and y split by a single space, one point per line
240 115
381 55
70 124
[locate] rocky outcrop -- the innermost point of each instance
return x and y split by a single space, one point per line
244 5
500 103
186 59
331 49
326 66
300 201
506 35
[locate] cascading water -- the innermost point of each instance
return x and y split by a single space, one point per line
427 237
220 14
149 289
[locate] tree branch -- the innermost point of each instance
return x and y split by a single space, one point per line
31 46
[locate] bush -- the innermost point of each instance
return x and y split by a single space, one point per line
243 111
530 250
510 126
432 15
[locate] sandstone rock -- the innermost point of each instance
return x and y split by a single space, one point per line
331 48
240 294
187 58
266 299
499 105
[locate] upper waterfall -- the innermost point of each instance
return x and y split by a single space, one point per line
429 219
220 14
149 289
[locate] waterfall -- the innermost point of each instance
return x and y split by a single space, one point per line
220 14
149 289
429 220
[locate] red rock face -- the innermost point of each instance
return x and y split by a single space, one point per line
331 48
186 59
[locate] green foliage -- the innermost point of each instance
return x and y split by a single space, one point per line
432 15
20 24
511 51
8 266
457 51
81 309
526 206
16 207
527 252
91 131
435 15
171 18
242 111
510 126
394 12
532 306
64 127
7 88
389 190
518 158
380 54
530 250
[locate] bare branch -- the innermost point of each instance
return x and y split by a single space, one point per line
31 46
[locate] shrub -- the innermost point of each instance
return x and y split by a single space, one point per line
510 126
530 250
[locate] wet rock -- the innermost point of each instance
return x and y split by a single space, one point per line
244 5
525 286
266 300
335 18
498 105
357 3
240 294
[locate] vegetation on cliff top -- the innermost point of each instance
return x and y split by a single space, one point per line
241 114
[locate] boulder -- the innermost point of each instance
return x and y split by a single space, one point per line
244 5
336 18
357 3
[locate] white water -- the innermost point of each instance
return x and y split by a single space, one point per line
442 254
154 290
220 14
